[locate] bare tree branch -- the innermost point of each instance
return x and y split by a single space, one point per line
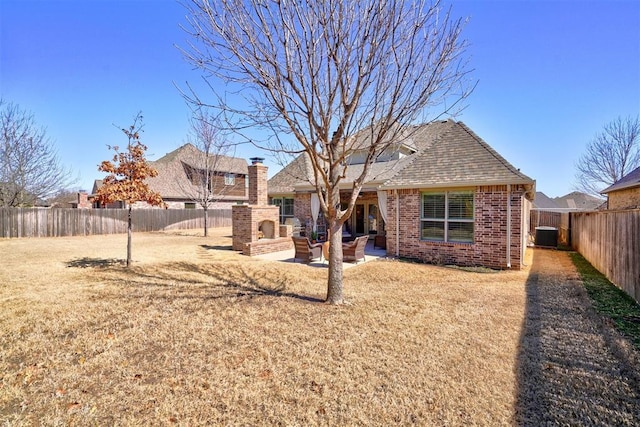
208 164
313 74
29 166
611 154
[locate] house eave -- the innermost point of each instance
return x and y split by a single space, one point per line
455 184
620 187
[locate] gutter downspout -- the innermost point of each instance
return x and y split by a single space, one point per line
508 225
397 223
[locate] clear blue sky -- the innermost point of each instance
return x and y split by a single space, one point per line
551 74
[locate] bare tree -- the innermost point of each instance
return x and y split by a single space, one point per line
611 154
207 166
313 74
29 166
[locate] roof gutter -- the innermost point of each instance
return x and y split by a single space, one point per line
455 184
508 225
620 187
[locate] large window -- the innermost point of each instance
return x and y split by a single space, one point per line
447 216
286 207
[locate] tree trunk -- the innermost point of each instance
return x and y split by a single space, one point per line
129 232
206 217
334 284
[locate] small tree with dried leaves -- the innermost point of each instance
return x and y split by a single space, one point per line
128 171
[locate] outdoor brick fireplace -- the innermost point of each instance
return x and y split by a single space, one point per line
255 226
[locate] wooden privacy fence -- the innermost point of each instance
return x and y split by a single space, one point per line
42 222
559 220
610 241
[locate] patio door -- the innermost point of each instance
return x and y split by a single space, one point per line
366 218
359 218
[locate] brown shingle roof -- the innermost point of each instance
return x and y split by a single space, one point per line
578 201
172 181
449 154
632 179
457 157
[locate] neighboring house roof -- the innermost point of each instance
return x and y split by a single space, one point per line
96 185
578 201
172 181
542 201
448 154
632 179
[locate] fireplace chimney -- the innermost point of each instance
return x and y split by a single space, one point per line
258 182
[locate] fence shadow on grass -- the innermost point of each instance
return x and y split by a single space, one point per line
568 369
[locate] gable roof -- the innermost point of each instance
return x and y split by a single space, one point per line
448 154
632 179
578 201
172 181
542 201
458 157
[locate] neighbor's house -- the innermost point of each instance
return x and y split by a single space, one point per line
180 175
625 193
440 195
572 202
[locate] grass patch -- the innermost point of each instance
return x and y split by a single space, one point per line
194 334
609 300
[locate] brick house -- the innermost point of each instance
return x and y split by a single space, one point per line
440 195
179 174
625 193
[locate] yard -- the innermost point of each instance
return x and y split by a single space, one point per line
197 334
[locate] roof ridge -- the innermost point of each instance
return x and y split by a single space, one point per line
493 152
412 158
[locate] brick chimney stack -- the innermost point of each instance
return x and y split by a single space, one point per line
83 200
258 182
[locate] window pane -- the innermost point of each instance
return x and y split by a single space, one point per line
433 230
461 205
287 207
433 205
461 232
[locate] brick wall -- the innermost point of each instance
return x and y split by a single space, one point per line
489 246
83 201
624 199
258 184
302 208
245 222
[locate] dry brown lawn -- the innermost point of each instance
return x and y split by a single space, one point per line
197 334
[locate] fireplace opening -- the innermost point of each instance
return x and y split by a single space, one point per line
266 230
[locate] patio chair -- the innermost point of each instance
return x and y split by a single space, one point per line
354 250
305 250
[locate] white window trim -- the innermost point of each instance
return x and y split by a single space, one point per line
446 219
229 179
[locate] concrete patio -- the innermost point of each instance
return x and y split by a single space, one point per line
370 254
